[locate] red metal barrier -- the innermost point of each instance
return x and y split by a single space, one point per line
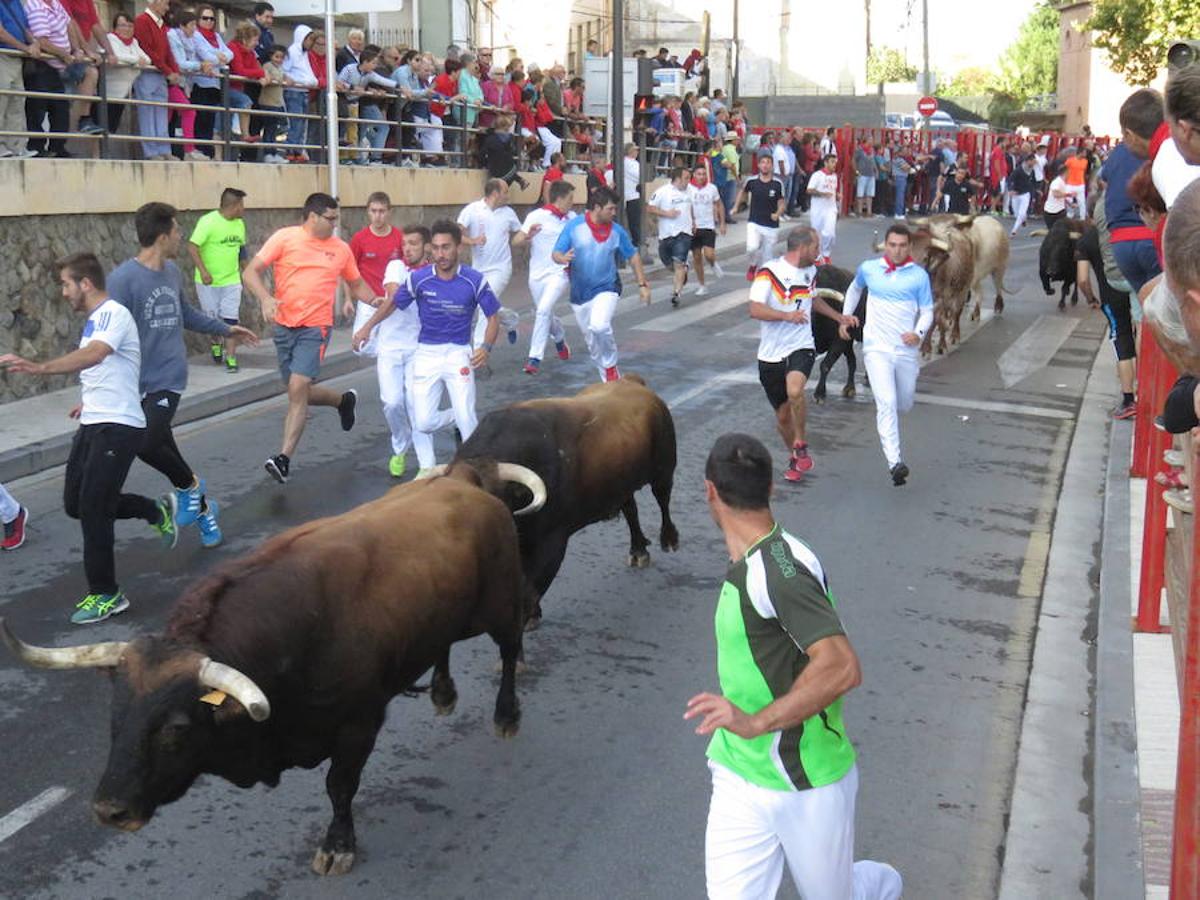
1148 358
1155 377
1185 850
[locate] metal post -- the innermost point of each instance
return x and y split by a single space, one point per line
227 119
102 105
737 55
926 88
331 116
616 135
466 134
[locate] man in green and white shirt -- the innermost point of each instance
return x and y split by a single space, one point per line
784 773
218 249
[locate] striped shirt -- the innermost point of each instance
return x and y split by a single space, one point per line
48 19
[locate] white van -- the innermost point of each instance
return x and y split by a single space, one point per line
939 121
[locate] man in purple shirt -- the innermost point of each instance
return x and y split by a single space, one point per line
446 294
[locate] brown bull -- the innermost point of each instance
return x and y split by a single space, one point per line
948 255
289 656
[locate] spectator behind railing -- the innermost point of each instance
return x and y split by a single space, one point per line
364 83
55 36
470 88
264 18
500 150
299 78
14 27
495 95
245 64
356 40
151 31
270 99
444 108
182 49
317 97
125 57
206 86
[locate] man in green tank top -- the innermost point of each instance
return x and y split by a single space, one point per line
784 773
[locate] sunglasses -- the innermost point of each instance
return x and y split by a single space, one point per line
208 18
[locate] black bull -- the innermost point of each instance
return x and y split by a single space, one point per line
825 331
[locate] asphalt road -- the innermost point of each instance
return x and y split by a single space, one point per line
604 792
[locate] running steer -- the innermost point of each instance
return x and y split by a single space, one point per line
832 283
1056 259
289 656
593 451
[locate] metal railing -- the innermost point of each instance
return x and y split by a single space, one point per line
406 148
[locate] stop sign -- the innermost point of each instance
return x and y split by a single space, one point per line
927 106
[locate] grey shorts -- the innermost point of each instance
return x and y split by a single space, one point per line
301 350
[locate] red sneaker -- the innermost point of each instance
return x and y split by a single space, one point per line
801 461
611 374
792 474
530 368
564 350
14 531
750 273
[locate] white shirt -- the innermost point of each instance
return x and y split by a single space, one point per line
1039 166
498 225
826 182
633 174
1171 173
1056 204
828 145
782 287
899 301
702 205
541 245
669 197
110 388
398 332
780 156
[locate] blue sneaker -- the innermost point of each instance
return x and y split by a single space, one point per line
210 531
188 502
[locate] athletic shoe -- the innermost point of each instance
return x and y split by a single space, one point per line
218 353
792 474
188 502
422 473
701 291
801 460
899 474
750 273
612 374
167 529
277 467
717 270
532 367
346 409
231 364
210 531
1179 499
1174 458
396 466
564 350
1125 411
14 531
97 607
675 300
1160 423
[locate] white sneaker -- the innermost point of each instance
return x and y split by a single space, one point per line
5 153
717 270
701 291
197 156
1174 458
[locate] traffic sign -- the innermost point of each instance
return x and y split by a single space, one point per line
927 106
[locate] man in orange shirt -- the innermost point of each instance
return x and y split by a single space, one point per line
308 261
1076 168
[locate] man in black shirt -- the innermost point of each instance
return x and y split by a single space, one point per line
767 203
1088 259
957 190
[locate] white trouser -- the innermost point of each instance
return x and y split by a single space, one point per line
894 384
9 508
760 243
1020 205
595 321
551 144
823 216
752 830
546 291
362 315
1079 210
395 370
439 368
497 280
430 138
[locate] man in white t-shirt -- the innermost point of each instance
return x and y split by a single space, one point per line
488 225
782 299
112 428
785 167
708 215
823 206
671 205
395 342
547 279
1058 198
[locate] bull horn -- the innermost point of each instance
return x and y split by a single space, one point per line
531 480
830 294
879 248
85 656
221 677
963 219
922 222
939 244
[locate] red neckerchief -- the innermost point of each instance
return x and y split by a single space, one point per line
208 34
598 174
1160 138
888 268
127 43
551 208
316 62
599 232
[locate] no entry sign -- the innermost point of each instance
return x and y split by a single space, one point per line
927 106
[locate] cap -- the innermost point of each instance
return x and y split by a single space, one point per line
730 136
1045 141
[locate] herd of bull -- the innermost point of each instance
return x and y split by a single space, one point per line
289 656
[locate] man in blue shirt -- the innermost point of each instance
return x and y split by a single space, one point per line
590 245
1132 242
446 294
900 314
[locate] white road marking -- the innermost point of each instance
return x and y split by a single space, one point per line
30 810
692 313
1035 347
1020 409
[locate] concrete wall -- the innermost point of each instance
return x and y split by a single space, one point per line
55 207
823 111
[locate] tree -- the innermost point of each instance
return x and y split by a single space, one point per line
888 64
1136 33
1030 64
974 81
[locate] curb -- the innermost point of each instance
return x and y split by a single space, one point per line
31 459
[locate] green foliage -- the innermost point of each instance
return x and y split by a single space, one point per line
975 81
888 64
1136 33
1030 65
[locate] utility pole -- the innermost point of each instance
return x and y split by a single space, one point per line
616 136
927 87
737 56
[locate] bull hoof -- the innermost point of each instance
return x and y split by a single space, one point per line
999 308
975 314
1062 305
849 392
639 560
330 862
819 394
444 697
669 539
508 730
533 623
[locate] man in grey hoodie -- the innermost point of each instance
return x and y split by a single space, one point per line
150 286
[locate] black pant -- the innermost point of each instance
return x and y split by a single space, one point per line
253 91
206 96
40 76
1051 218
633 216
158 449
100 459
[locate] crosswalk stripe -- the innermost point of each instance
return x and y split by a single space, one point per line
693 313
